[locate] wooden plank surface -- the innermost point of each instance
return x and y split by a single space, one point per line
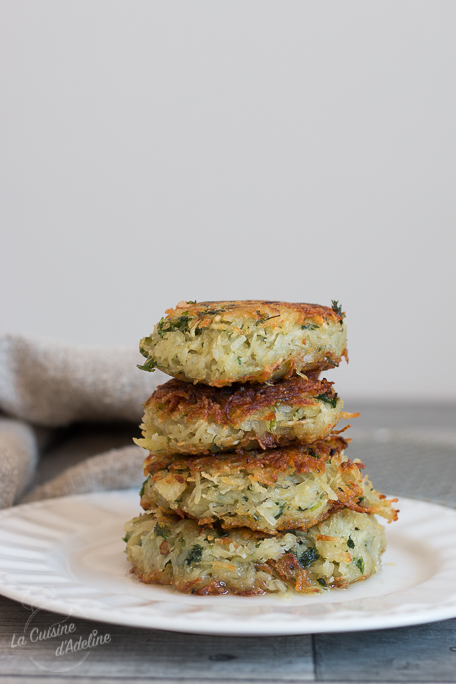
426 653
421 654
150 654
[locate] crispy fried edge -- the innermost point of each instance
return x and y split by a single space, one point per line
204 314
303 458
230 405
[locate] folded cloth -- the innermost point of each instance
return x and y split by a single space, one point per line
54 384
18 459
115 469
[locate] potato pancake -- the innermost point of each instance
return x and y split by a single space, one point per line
219 343
181 418
269 491
165 549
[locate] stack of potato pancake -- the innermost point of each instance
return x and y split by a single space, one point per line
248 487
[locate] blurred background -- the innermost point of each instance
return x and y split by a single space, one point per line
154 151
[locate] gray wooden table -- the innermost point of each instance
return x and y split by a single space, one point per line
409 450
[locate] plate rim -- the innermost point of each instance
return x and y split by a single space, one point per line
231 626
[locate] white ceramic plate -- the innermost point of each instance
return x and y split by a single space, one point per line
66 555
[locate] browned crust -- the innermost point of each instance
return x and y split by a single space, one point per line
158 577
252 592
213 589
231 405
283 568
291 572
286 523
289 569
204 314
372 510
302 458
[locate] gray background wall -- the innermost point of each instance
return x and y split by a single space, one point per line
153 151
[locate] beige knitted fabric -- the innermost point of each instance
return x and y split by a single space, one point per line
53 384
115 469
18 459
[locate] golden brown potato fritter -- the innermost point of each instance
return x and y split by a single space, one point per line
219 343
181 418
272 490
165 549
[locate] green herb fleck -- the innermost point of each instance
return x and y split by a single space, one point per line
150 365
264 317
127 537
144 342
216 449
195 555
360 565
272 425
337 308
281 505
321 581
350 543
211 312
308 557
162 531
217 525
180 324
360 499
310 326
239 361
332 401
191 301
